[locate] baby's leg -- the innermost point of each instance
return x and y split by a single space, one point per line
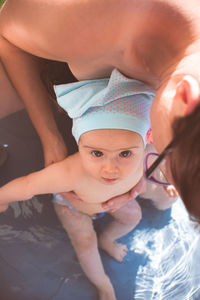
161 196
125 219
84 240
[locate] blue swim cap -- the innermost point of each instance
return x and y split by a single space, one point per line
117 102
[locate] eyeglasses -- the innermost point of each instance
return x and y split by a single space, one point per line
153 161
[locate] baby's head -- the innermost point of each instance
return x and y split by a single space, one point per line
110 155
110 124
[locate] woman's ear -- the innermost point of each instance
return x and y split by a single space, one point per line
189 92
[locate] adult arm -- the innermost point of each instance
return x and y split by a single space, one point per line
24 71
47 29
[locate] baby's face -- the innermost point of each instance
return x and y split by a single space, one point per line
110 155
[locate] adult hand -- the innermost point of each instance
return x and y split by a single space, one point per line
54 151
117 202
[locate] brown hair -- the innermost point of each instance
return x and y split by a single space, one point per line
185 161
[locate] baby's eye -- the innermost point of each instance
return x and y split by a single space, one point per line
126 153
97 153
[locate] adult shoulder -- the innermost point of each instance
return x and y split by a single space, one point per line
54 29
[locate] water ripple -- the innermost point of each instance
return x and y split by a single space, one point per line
172 267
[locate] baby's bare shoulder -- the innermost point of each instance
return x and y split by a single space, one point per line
72 161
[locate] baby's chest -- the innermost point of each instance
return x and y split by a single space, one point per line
95 192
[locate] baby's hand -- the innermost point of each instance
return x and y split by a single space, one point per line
3 207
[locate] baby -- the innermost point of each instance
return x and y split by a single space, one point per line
110 125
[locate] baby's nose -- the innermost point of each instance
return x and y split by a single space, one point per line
110 168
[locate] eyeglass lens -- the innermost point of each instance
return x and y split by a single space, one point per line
158 175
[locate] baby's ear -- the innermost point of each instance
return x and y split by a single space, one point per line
149 138
189 91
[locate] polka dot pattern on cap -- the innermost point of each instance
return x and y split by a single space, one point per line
117 102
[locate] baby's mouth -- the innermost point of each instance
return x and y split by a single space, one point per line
109 180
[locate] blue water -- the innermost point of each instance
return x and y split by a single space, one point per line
163 261
172 266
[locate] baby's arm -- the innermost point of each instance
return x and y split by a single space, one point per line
59 177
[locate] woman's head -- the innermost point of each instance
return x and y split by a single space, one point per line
175 115
185 160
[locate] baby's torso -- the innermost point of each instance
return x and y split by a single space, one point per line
93 193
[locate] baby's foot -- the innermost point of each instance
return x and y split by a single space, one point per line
116 250
104 295
107 293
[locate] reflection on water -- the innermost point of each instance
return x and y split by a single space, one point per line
172 267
